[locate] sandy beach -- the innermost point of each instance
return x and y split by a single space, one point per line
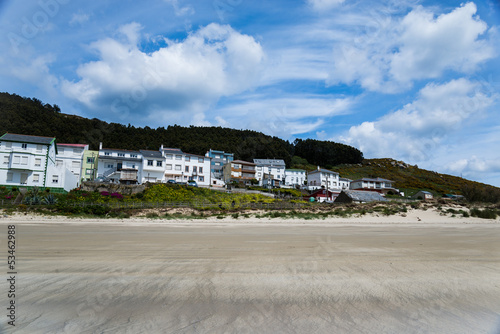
422 273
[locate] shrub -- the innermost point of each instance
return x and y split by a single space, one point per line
485 214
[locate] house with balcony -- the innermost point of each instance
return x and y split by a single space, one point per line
239 171
323 179
71 157
295 178
382 186
89 165
153 167
30 161
183 167
218 160
120 166
269 171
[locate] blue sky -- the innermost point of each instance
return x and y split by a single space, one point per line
417 81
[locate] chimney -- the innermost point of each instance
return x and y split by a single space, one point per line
161 147
100 146
318 168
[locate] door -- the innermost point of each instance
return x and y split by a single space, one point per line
24 178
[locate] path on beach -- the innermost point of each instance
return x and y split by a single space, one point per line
247 278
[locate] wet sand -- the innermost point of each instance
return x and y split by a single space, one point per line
270 276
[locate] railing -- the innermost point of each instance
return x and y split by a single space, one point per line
109 172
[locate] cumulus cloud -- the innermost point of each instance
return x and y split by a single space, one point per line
186 76
389 56
413 132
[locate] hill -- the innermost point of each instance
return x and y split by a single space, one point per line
410 179
31 116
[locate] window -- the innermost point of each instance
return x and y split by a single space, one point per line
10 176
200 170
90 160
133 155
17 160
188 158
75 164
59 163
159 163
55 178
6 160
259 168
89 171
121 154
194 169
39 148
187 169
178 167
259 174
201 178
150 162
107 153
217 163
168 167
217 156
169 156
109 166
36 178
24 146
178 157
24 161
38 162
201 159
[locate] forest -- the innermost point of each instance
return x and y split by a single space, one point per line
30 116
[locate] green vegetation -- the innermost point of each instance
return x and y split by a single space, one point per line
411 179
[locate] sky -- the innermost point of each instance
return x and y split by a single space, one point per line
417 81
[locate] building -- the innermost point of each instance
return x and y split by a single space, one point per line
239 171
183 167
152 167
359 196
71 157
323 178
31 161
323 195
344 183
379 185
271 170
218 160
89 165
120 166
423 195
295 177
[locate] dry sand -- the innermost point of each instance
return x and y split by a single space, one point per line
369 274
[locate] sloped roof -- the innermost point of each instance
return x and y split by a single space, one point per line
27 139
172 150
322 170
151 154
378 179
269 162
365 196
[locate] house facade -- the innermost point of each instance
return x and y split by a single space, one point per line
152 167
31 161
89 165
218 160
270 170
183 167
239 171
71 157
344 183
378 184
323 178
120 166
295 177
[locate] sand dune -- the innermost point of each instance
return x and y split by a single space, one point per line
359 275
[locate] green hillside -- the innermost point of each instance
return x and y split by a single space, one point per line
410 179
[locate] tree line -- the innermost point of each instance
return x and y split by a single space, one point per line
30 116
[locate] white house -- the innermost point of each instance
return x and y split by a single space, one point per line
121 166
272 170
295 177
323 178
153 167
71 157
345 183
374 184
31 161
182 167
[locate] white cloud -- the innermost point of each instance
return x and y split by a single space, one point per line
286 116
415 131
321 5
391 54
79 18
181 10
187 76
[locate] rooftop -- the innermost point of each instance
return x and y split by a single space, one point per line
11 137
